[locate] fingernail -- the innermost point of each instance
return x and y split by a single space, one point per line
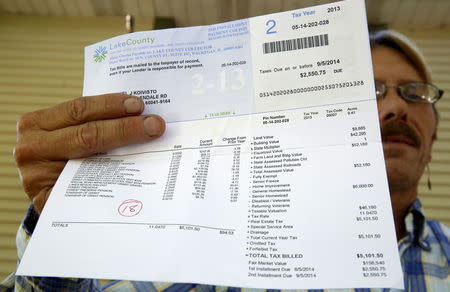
154 126
133 105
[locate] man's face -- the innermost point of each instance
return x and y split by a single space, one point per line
407 128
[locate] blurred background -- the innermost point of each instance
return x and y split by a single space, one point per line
41 64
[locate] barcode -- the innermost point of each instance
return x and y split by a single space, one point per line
296 44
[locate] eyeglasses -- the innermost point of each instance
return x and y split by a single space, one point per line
412 91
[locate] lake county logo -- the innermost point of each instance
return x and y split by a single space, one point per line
100 54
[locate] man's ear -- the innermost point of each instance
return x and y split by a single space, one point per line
433 139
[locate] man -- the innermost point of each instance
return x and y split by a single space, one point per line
82 127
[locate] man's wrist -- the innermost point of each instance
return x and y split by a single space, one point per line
30 220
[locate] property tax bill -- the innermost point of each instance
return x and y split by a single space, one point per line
270 173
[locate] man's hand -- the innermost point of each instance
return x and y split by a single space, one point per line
47 138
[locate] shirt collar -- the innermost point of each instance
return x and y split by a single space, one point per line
415 226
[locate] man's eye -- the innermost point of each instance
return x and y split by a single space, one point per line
416 97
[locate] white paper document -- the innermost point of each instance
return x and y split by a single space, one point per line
270 173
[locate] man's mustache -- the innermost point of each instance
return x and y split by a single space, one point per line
395 128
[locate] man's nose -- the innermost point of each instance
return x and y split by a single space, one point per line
392 107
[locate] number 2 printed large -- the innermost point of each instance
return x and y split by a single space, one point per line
270 25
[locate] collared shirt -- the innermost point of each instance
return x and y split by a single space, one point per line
424 254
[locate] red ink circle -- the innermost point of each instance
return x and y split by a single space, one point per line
130 208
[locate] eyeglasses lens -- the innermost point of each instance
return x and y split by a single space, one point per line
380 89
418 92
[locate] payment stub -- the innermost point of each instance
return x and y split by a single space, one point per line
270 173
